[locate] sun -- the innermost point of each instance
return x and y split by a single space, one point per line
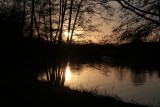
74 36
66 34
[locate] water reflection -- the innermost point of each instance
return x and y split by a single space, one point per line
55 74
129 83
68 73
139 77
121 73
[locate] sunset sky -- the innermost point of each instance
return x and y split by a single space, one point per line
105 26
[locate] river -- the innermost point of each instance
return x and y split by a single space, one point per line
130 84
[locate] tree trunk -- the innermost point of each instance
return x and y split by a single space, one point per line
59 21
63 10
35 21
44 20
50 20
75 20
69 23
32 15
24 14
159 8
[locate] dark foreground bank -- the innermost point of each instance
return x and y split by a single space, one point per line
29 93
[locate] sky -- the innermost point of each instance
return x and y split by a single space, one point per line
105 27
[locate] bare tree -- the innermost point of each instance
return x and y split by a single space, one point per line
50 20
70 18
144 8
139 20
69 15
32 18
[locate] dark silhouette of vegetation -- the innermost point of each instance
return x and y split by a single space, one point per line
140 20
43 94
32 41
55 73
136 52
146 9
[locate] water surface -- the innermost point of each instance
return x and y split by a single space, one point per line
130 84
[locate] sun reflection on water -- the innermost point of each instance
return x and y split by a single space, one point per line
68 73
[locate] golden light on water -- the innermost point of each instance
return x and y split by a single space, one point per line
68 73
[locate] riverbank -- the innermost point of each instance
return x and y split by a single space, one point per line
18 93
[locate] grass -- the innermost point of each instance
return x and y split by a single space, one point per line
28 93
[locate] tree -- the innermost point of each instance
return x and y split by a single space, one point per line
149 10
12 17
139 20
49 19
68 16
32 17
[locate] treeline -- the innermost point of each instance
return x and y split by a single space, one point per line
136 54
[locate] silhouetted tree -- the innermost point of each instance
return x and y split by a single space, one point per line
70 18
50 19
77 13
75 20
32 18
144 8
139 20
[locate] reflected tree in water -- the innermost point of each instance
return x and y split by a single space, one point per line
55 74
138 77
122 72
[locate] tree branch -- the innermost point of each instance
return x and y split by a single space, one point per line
139 9
154 21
